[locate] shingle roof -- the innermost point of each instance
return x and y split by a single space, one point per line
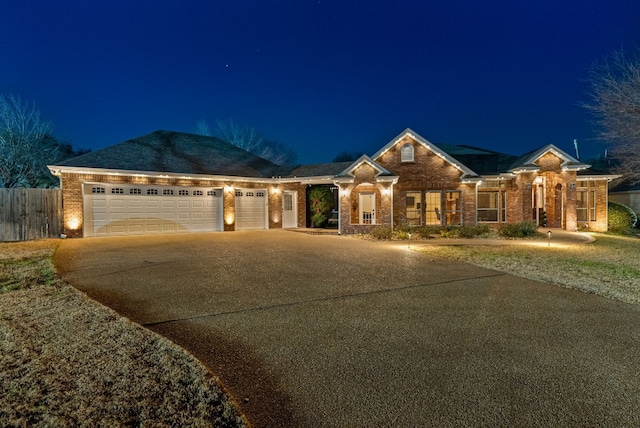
176 152
319 170
480 161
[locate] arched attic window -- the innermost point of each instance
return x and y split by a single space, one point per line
406 153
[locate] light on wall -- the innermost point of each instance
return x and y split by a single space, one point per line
344 192
386 191
275 190
73 223
229 219
228 189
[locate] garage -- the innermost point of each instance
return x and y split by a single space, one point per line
130 209
251 209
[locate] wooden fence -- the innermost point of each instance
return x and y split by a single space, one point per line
27 214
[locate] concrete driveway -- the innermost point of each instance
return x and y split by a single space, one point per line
331 331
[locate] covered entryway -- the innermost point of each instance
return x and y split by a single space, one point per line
130 209
251 209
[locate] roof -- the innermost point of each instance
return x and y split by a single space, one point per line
318 170
456 163
527 161
481 161
176 152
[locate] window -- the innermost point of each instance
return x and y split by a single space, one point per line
249 193
492 201
212 193
97 190
198 193
238 193
183 192
152 191
117 191
167 192
433 208
452 208
586 201
287 201
260 194
489 206
135 191
414 214
406 153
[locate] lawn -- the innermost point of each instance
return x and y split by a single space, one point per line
609 267
67 361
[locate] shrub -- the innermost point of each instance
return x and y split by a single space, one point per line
469 232
381 233
427 232
621 218
320 203
524 229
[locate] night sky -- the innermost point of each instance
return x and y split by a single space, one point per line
320 76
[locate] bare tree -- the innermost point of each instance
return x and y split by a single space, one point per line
249 139
615 104
25 144
202 128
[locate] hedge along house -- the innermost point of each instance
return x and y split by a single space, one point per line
169 182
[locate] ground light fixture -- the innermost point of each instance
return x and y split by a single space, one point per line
409 245
549 236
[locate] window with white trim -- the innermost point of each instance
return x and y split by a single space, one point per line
413 207
97 190
406 153
453 209
586 201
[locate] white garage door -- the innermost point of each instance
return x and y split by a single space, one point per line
129 209
251 209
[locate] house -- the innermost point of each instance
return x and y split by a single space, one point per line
169 182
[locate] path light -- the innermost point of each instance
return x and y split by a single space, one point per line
409 246
549 235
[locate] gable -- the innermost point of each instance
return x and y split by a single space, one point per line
408 137
544 159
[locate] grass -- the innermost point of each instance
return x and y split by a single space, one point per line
609 267
65 360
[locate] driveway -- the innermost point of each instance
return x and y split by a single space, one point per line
333 331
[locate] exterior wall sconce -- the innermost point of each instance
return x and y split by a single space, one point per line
228 189
572 186
343 192
275 190
73 223
386 191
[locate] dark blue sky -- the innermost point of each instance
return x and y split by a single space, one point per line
320 76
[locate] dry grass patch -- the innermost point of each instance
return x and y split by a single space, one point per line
68 361
609 267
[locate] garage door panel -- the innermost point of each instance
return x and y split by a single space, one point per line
136 209
251 209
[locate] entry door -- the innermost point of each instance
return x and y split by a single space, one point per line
538 201
367 208
289 209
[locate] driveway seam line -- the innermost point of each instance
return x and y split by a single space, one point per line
324 299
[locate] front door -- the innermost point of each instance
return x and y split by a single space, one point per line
367 208
289 211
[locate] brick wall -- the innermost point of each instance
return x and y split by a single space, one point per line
428 172
73 203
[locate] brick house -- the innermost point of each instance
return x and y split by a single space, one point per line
169 182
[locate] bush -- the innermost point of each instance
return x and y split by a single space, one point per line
621 218
524 229
427 232
382 233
